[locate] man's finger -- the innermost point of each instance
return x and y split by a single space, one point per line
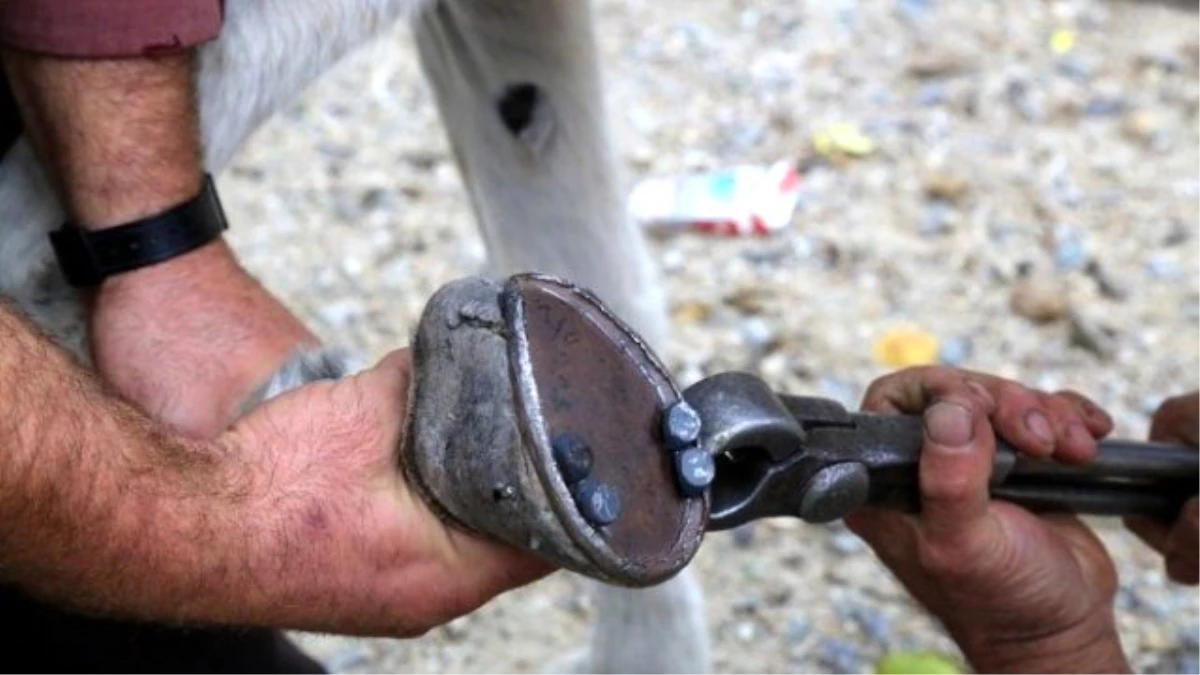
1176 420
1152 532
1098 422
1183 545
1073 440
955 467
911 390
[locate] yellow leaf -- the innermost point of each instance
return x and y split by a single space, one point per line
844 138
902 663
904 347
1063 40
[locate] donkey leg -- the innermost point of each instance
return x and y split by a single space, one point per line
518 87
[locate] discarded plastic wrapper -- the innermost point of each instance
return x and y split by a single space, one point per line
739 201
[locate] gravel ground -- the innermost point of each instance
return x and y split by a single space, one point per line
992 151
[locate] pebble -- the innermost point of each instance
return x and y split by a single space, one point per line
1188 664
847 543
1189 637
840 656
873 623
758 335
955 351
933 62
746 631
1160 267
1038 297
346 659
798 628
945 186
1070 253
1106 284
1141 125
1089 335
1104 106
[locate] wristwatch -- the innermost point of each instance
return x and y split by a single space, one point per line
88 258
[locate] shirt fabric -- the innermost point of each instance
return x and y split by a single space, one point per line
99 29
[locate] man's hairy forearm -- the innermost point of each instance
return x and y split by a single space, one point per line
99 507
119 137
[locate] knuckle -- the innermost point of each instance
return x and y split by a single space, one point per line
950 488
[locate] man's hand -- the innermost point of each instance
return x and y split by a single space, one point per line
296 517
347 546
1017 592
1177 420
189 340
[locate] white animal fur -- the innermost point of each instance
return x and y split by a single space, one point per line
547 199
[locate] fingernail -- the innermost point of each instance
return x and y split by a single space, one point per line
1039 425
949 425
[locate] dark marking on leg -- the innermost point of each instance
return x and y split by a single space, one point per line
517 106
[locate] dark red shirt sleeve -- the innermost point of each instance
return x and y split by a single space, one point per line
108 28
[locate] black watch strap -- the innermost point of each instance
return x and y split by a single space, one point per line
88 258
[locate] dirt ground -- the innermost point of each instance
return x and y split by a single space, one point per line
1059 134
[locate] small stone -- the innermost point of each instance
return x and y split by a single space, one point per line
374 198
345 659
457 630
1160 267
945 186
1069 253
914 10
1026 102
692 312
955 351
874 625
1188 664
932 62
745 631
1106 285
1189 637
1141 125
1104 106
1179 233
939 219
748 299
745 606
1038 296
931 94
758 335
840 656
847 543
673 260
798 628
779 597
1090 336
